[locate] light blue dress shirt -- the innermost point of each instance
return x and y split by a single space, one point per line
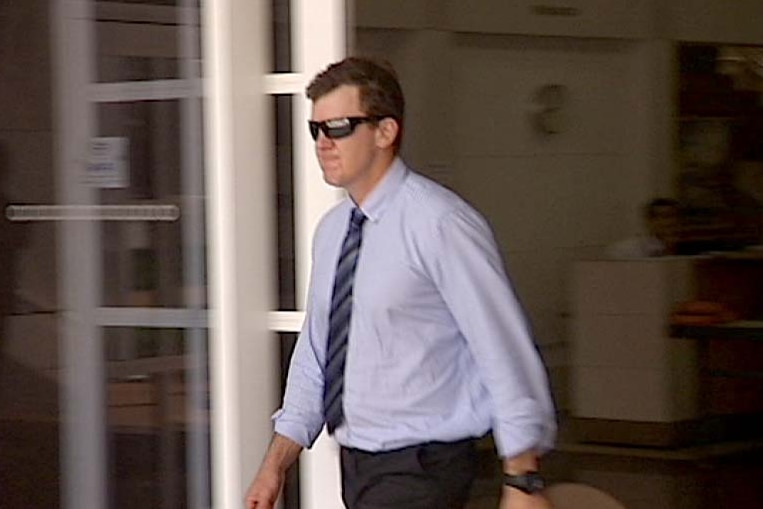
439 347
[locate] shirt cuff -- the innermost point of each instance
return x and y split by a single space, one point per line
294 429
514 440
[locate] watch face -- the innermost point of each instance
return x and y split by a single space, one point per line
535 483
529 482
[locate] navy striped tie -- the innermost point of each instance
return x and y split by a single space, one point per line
339 322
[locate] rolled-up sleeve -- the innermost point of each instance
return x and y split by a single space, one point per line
300 417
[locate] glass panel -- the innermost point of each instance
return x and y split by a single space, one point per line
30 321
143 264
281 36
284 245
143 260
151 131
56 357
140 40
150 415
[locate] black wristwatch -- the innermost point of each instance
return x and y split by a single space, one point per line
530 482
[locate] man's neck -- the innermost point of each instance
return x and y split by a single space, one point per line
380 167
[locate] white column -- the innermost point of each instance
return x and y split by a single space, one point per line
197 449
82 400
319 39
239 157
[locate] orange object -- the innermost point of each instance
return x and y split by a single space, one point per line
702 312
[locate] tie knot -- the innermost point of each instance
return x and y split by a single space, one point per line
357 218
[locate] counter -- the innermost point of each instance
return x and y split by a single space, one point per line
637 379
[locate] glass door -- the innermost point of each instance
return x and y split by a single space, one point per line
145 209
104 322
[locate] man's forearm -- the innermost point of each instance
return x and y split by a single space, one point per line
264 490
282 453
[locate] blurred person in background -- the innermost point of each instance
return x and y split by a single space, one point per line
662 221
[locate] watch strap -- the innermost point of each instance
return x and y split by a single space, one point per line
529 482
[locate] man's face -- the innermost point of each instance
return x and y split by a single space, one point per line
346 162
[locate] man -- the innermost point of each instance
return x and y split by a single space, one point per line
662 221
414 344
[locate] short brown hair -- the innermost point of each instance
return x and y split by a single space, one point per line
379 89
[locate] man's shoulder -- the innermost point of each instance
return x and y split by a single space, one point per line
440 206
431 198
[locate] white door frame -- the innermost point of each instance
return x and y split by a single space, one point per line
239 161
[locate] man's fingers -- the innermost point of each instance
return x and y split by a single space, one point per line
256 503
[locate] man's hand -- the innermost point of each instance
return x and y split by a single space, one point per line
512 498
264 490
267 484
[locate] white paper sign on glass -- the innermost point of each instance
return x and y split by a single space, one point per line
108 163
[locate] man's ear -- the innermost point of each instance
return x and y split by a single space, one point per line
386 132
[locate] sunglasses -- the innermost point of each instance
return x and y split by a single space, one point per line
339 127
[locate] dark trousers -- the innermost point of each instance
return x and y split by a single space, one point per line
435 475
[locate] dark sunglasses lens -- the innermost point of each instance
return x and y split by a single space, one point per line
314 129
335 129
339 132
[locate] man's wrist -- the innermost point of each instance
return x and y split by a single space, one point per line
529 482
521 463
521 472
282 453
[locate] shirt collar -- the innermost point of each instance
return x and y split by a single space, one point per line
382 194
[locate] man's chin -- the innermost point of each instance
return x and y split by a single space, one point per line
331 180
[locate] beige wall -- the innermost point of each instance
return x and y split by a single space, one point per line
737 22
470 71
